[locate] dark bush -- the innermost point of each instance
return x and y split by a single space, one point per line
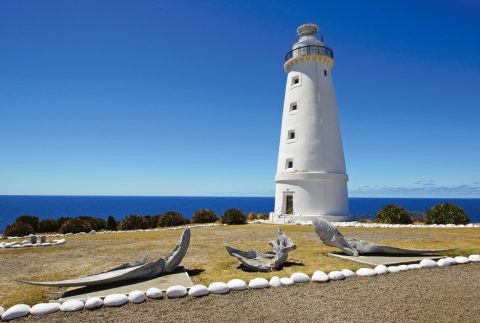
75 226
18 229
62 220
112 224
172 219
204 216
446 213
95 223
252 216
393 214
48 225
151 221
133 222
29 219
233 216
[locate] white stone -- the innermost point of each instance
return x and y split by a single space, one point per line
258 283
428 263
198 290
336 275
275 281
320 276
93 303
414 266
72 305
237 284
393 269
176 291
348 273
366 272
1 311
299 278
46 244
136 297
403 267
381 269
115 300
27 244
474 258
443 262
92 232
16 311
154 292
461 260
44 308
218 288
286 281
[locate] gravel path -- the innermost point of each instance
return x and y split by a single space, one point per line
428 295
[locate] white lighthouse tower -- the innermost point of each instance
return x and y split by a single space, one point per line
311 178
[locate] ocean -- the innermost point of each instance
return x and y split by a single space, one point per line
12 206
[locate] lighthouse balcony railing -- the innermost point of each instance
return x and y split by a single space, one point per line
309 50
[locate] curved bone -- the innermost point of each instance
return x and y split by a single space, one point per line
330 236
137 270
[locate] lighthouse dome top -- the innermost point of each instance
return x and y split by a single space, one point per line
307 29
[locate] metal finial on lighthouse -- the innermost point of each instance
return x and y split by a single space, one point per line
311 178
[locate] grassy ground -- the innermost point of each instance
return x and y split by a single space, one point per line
206 260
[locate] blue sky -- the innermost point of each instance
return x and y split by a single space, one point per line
185 98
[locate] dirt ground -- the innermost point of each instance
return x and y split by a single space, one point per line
206 260
429 295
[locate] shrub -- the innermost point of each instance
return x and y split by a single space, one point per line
133 222
204 216
393 214
263 216
18 229
112 224
95 223
62 220
172 219
233 216
75 226
446 213
48 225
151 220
28 219
252 216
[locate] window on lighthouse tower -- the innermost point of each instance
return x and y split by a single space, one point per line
291 135
293 106
289 163
295 80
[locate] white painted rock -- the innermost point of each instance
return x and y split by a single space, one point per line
136 297
93 303
474 258
1 311
237 284
461 260
286 281
16 311
403 268
451 260
44 308
443 262
428 263
347 273
275 281
300 278
381 269
198 290
218 288
176 291
414 266
115 300
366 272
320 276
258 283
336 275
393 269
154 292
72 305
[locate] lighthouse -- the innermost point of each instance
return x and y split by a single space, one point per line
311 177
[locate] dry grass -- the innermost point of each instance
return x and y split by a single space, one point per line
206 259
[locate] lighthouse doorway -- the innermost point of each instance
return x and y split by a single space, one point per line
288 204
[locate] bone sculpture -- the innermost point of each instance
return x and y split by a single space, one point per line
265 261
138 270
330 236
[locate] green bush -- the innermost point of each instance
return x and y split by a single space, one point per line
204 216
446 213
133 222
62 220
252 216
112 224
29 219
233 216
393 214
172 219
48 225
18 229
95 223
75 226
151 221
